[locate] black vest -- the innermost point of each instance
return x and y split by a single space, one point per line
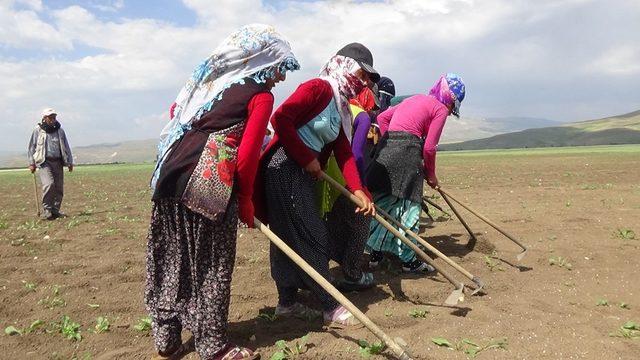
184 154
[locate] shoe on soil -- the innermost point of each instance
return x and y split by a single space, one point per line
365 282
48 216
375 259
417 266
177 354
341 318
297 310
233 352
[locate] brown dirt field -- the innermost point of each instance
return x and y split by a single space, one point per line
561 205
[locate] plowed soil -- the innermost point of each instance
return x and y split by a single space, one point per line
576 211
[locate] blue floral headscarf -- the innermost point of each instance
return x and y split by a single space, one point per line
254 51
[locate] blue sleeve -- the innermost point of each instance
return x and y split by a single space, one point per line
361 126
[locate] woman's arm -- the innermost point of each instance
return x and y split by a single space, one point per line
434 131
259 110
309 99
361 126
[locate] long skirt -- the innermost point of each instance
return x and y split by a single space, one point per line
189 266
398 166
349 232
405 212
295 218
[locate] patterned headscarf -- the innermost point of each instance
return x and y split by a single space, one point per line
254 51
449 89
340 72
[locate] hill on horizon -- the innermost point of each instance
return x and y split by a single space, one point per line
133 151
460 134
614 130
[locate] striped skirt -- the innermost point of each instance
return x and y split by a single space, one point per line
406 212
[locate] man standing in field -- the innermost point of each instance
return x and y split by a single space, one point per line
49 150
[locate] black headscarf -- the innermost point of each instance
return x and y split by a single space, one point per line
386 90
49 128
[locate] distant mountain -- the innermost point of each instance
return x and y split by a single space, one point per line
135 151
517 123
460 134
470 128
615 130
466 128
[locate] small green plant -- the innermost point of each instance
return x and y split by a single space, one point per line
290 352
602 302
561 262
418 313
469 347
102 325
492 262
85 356
628 330
52 302
55 301
12 330
29 286
388 313
18 242
29 225
625 234
589 187
367 349
70 329
34 326
144 324
3 224
267 316
623 305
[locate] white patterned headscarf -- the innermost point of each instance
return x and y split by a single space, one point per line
340 72
254 51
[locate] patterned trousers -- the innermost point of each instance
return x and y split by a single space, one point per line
189 266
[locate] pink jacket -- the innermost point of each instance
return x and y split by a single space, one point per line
421 115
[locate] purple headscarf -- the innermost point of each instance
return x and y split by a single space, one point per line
449 89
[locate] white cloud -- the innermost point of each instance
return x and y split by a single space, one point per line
512 54
25 29
618 60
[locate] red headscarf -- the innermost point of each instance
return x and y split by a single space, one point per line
364 99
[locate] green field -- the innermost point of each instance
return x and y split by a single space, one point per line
567 150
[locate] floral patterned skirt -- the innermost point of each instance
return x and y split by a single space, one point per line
190 261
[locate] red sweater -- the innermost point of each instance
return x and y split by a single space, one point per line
309 99
259 110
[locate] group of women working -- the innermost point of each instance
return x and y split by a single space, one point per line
211 173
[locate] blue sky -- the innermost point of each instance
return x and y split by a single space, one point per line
112 67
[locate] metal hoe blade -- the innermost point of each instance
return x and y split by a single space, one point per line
456 296
521 255
403 344
479 285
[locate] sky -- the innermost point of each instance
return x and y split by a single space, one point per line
112 68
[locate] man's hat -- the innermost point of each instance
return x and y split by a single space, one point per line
363 56
48 111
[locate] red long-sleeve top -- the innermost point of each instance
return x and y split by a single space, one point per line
309 99
259 109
